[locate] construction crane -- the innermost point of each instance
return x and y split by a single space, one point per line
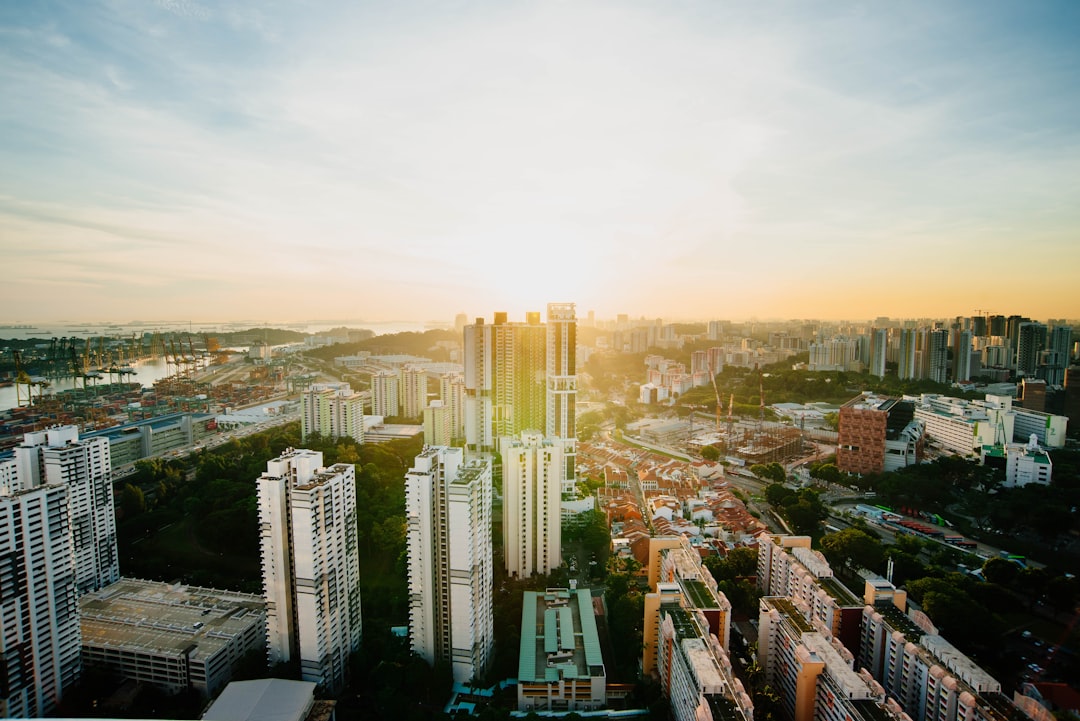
716 392
22 378
761 394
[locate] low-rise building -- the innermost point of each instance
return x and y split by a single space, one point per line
170 636
561 667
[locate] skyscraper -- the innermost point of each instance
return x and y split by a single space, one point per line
907 363
332 410
1030 342
504 379
58 456
39 636
879 343
448 541
561 371
938 356
532 490
310 564
452 394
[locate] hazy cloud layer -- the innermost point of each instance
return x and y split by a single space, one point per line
410 160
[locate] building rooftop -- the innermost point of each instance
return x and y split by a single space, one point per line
967 670
871 710
841 593
268 699
787 608
899 621
165 618
558 636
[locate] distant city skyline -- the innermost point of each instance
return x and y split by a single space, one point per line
183 159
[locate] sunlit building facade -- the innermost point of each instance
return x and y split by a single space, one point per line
448 542
310 564
532 479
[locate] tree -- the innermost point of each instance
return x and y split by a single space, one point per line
776 494
710 453
132 500
1000 571
769 472
853 549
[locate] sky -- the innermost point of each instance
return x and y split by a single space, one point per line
187 159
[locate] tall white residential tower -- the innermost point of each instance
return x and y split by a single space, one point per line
448 517
532 478
310 564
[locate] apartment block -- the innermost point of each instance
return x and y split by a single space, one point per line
412 385
39 637
812 673
448 542
924 673
561 379
58 456
532 492
332 410
789 568
310 564
452 395
384 394
674 562
505 379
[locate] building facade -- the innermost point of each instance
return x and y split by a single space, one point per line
505 391
561 374
39 637
310 564
58 456
384 394
332 410
532 491
448 542
412 385
170 636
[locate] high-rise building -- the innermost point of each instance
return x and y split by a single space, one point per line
58 456
1030 342
812 672
412 385
437 425
332 410
1058 355
504 379
928 677
448 541
879 343
452 395
961 369
938 356
907 367
561 374
532 493
310 564
39 636
384 394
